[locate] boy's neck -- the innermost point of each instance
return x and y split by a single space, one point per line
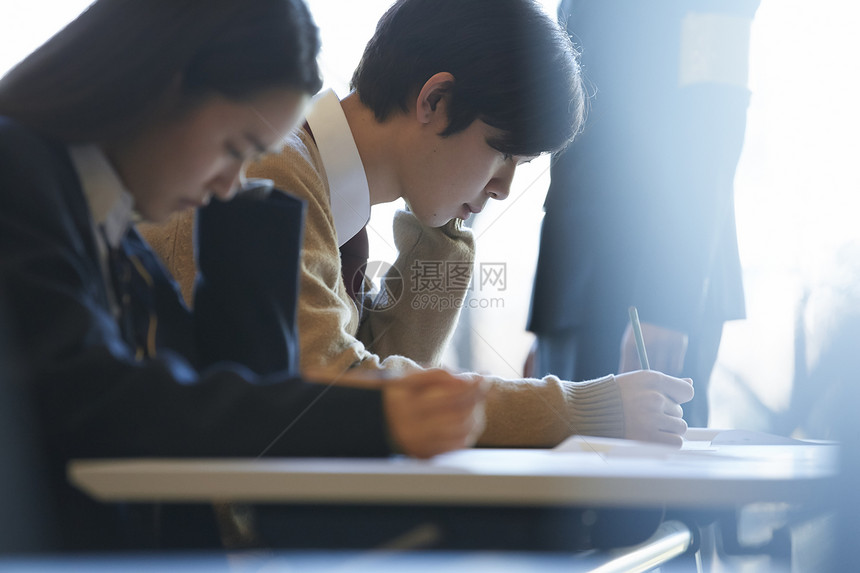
377 145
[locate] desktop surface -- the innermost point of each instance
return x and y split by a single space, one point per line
618 474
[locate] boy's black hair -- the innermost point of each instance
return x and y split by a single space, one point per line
514 68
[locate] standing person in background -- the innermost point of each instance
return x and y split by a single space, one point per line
640 210
138 109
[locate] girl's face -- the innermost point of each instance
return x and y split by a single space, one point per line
180 163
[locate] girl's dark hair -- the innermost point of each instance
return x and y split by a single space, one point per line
514 68
112 68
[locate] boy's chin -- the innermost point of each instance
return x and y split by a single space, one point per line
434 220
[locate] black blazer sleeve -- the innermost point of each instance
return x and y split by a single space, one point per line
247 287
93 398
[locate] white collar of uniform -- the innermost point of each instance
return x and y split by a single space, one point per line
350 193
111 205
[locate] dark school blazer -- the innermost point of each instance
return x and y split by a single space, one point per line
224 379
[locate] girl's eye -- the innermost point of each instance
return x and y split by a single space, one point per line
507 156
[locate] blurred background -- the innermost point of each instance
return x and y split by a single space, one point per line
797 194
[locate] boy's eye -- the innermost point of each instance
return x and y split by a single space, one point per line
507 156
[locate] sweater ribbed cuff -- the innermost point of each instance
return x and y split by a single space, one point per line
595 407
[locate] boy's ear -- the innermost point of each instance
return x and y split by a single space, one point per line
430 105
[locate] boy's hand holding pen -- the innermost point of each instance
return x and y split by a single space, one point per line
650 399
666 348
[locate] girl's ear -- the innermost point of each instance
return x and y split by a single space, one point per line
430 106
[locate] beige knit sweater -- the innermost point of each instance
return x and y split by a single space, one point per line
400 338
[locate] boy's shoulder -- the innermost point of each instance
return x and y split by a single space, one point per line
297 169
300 144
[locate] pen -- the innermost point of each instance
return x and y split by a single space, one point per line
637 334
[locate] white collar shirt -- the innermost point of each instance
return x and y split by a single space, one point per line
348 187
111 205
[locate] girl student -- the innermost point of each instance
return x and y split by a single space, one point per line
136 110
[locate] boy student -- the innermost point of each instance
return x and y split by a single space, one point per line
450 97
100 126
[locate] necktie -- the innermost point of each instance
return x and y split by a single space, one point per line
134 291
353 259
